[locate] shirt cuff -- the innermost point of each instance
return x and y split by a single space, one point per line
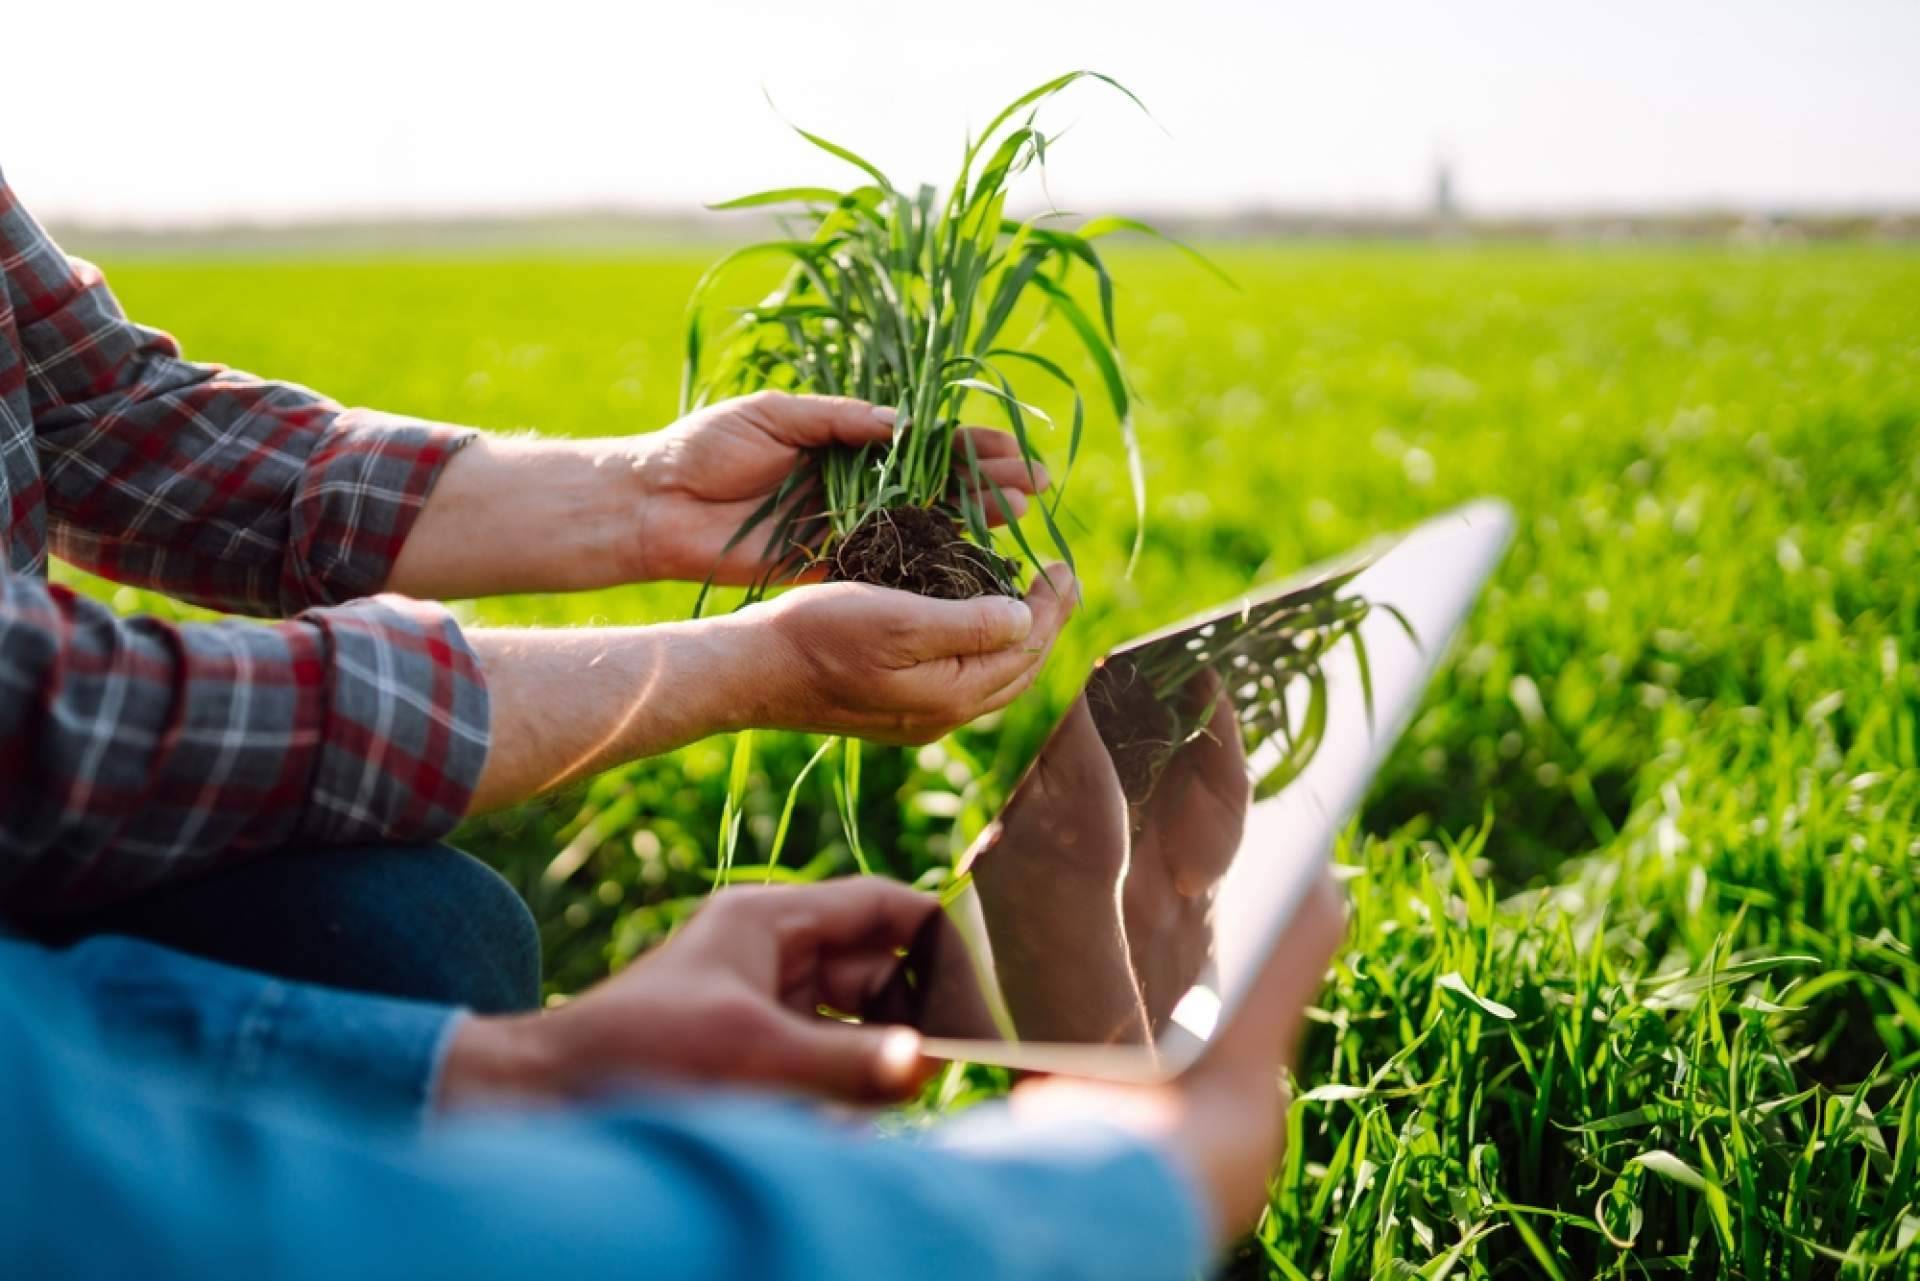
361 490
406 723
382 1051
1155 1222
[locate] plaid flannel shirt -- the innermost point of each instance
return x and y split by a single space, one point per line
133 750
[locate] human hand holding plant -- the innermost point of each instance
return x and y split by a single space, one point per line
516 514
904 296
839 658
703 477
893 667
732 998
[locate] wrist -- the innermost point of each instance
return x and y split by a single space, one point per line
643 541
496 1058
618 509
749 666
529 515
694 679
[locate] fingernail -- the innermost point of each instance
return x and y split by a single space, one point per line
886 414
1019 619
899 1059
1063 582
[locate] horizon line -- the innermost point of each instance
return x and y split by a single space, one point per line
686 217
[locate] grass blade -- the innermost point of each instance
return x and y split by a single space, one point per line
786 810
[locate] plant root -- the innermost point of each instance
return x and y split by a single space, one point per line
917 549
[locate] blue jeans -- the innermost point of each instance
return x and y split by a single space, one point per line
424 922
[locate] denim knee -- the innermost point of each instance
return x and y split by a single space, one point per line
423 922
490 962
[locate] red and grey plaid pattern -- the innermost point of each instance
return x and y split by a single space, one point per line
132 750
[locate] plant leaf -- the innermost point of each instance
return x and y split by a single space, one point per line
1455 986
783 196
1107 224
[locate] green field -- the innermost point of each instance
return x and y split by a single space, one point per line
1658 816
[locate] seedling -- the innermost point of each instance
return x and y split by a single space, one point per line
903 298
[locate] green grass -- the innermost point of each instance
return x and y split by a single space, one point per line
1632 982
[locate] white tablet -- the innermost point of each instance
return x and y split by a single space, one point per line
1122 901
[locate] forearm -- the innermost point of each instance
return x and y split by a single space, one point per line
528 515
568 704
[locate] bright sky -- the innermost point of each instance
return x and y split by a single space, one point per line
265 109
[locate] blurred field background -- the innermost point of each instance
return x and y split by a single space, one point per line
1632 981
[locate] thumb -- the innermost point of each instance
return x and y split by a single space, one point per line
960 628
811 421
854 1062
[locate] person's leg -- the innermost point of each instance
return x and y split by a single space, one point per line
425 922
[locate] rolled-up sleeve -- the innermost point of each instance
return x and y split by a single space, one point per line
235 492
134 751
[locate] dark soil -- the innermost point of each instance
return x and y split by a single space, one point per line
919 550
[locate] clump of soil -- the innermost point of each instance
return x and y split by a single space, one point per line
920 550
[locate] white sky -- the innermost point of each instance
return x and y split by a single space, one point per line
262 109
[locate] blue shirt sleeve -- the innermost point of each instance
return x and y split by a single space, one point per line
238 1031
115 1164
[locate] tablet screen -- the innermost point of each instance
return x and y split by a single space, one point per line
1111 852
1144 865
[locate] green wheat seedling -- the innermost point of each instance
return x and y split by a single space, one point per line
904 298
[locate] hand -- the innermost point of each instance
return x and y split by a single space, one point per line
1223 1120
886 665
732 998
843 658
704 476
